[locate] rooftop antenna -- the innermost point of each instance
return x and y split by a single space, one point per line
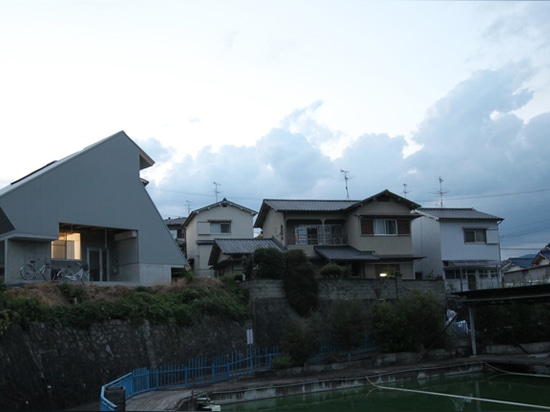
216 191
346 178
405 191
188 203
440 192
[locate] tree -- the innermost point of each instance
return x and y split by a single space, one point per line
348 321
415 322
269 263
301 287
300 339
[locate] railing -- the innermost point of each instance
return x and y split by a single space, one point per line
198 371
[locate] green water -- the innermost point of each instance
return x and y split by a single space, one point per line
519 390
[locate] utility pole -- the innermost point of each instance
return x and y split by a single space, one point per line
345 172
216 191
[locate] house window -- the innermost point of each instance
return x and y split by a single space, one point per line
67 246
218 228
475 236
385 227
307 235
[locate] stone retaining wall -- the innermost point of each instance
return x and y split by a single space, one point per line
53 368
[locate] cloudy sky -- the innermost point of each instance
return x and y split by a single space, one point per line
274 99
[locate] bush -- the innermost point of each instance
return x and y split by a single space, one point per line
331 270
413 323
301 287
348 321
269 263
300 339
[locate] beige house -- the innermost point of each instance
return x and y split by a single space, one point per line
221 220
370 236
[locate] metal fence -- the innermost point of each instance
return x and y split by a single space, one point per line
197 371
201 371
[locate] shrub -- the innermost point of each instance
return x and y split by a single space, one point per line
348 322
269 263
415 322
331 270
301 287
300 339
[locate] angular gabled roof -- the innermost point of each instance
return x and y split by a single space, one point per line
144 162
444 213
241 247
223 203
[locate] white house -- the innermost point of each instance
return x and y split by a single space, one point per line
460 245
223 220
89 207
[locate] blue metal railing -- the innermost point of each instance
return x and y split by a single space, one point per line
198 371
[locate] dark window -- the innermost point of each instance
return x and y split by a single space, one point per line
475 236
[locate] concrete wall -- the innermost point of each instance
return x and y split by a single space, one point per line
271 309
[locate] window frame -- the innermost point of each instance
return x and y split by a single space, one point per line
220 224
371 226
479 236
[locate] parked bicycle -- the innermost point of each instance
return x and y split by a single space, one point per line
83 274
28 271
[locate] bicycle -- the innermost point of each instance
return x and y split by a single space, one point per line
83 274
29 272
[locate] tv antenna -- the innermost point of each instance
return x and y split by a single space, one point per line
405 191
216 191
440 192
188 203
346 178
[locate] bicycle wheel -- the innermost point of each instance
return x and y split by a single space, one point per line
46 272
63 275
85 277
27 271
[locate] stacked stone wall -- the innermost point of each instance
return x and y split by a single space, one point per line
55 368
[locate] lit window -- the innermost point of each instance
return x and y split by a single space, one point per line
475 236
67 246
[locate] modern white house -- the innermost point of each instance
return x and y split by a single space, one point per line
459 245
220 220
89 207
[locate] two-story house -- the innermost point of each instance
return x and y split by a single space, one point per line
220 220
460 245
370 236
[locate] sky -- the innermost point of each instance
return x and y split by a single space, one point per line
445 103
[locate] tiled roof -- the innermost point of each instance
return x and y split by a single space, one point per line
246 246
241 247
456 213
344 253
309 205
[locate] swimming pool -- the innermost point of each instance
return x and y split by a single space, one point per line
491 391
